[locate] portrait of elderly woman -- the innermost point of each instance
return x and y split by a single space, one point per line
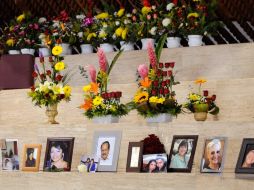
213 155
58 154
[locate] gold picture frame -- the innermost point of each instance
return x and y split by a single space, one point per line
31 157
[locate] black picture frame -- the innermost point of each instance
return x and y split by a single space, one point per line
190 162
128 165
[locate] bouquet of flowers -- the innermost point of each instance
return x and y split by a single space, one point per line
98 101
155 94
201 103
153 145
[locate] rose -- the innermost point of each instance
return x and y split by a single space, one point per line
51 59
205 93
172 64
164 73
118 94
170 73
156 83
42 76
161 65
166 65
159 72
104 95
34 74
163 83
154 92
161 91
168 82
59 77
166 91
48 72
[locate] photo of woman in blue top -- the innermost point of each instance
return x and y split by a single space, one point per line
181 158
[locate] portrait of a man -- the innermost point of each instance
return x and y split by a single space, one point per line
105 150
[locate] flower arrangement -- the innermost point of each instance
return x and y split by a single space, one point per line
153 145
98 101
155 94
203 103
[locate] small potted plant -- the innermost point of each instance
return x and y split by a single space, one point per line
201 104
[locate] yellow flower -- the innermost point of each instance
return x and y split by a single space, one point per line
113 108
97 101
119 31
57 50
146 10
120 12
20 18
67 91
10 42
195 15
102 16
102 34
194 97
59 66
124 33
56 89
200 81
141 97
11 28
87 88
54 97
155 99
90 35
82 168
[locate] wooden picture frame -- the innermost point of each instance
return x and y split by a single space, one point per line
134 161
9 155
62 151
214 151
242 165
183 142
32 163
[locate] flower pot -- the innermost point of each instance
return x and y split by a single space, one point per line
200 116
195 40
127 46
28 51
145 42
86 48
106 119
160 118
45 52
51 112
173 42
66 49
106 47
14 52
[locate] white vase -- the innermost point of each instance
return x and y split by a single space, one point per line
66 49
106 119
27 51
108 47
127 46
160 118
195 40
45 52
14 52
86 48
145 42
173 42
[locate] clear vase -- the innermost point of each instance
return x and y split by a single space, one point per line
51 112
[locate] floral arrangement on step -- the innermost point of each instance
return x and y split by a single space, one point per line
98 100
153 145
201 102
155 94
50 85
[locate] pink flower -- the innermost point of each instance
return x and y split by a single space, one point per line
151 54
92 73
36 26
143 70
102 60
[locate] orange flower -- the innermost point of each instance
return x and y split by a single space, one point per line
146 82
62 27
87 105
94 88
200 81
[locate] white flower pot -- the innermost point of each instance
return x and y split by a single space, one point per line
66 49
160 118
173 42
127 46
195 40
28 51
86 48
14 52
45 52
106 119
108 47
145 42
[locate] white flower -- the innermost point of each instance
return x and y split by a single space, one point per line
42 36
81 17
55 34
104 25
205 33
80 34
56 24
166 22
115 13
125 21
117 23
114 36
42 19
128 15
153 30
170 6
181 25
153 7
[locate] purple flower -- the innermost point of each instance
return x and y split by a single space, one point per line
22 33
88 21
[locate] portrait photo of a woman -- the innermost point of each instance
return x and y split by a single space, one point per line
181 158
30 157
249 159
154 163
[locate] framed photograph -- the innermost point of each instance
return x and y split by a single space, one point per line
91 163
134 159
106 146
155 163
2 144
31 157
245 162
182 153
9 155
58 155
213 155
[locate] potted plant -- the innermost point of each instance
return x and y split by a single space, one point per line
99 104
200 104
155 98
51 86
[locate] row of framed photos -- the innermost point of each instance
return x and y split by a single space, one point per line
106 148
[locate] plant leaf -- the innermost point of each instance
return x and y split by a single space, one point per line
159 46
114 61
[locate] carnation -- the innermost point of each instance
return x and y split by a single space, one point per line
81 17
117 23
166 22
153 30
42 20
170 6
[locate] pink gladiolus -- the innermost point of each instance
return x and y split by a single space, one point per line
151 54
92 73
143 70
102 60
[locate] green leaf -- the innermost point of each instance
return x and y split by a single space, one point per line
159 46
114 61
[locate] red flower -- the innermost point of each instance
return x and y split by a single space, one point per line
175 2
42 76
50 59
161 65
159 72
172 64
164 73
166 65
34 74
104 95
156 83
168 82
146 3
118 94
163 83
155 16
61 96
169 73
161 91
205 93
166 91
48 72
213 97
154 92
59 77
33 88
